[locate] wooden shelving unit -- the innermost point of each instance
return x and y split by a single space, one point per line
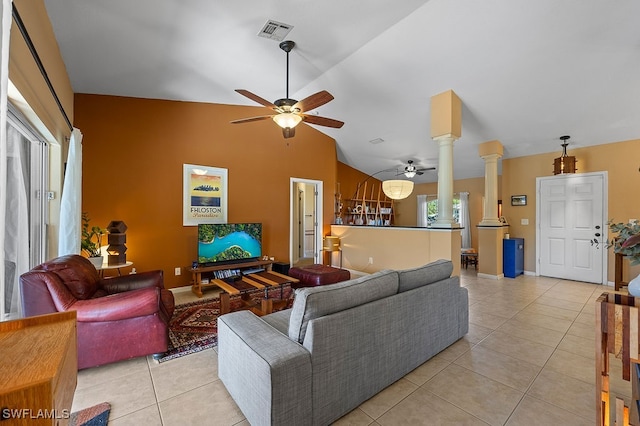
369 207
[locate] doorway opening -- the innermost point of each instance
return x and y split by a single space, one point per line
305 241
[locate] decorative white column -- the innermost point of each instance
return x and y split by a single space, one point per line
490 152
445 183
446 128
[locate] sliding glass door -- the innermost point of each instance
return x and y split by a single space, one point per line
26 210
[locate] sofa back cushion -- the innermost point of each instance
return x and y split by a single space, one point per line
423 275
315 302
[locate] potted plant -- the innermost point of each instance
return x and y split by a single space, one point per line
92 241
626 241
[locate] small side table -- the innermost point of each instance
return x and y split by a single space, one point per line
331 256
106 267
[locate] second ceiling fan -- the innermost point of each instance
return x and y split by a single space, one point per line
290 112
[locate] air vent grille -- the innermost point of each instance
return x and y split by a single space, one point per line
275 30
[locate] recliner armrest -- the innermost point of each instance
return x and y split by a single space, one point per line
136 303
133 282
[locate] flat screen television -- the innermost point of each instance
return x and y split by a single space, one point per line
220 243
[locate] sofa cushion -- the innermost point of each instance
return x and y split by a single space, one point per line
423 275
315 302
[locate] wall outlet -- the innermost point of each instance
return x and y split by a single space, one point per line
524 221
370 260
177 271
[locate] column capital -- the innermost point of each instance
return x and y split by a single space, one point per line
490 147
446 138
491 157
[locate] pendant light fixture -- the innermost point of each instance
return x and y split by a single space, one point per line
397 189
565 163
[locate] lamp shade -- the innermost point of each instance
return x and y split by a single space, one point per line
331 243
397 189
287 119
565 163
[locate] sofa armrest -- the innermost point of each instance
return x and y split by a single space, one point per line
267 374
133 282
132 304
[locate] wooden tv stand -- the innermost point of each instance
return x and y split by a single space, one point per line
197 273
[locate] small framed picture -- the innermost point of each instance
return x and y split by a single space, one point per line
518 200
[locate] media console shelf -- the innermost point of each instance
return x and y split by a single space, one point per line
207 273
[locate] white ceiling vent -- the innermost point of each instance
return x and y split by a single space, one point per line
275 30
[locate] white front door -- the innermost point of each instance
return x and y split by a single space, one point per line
571 211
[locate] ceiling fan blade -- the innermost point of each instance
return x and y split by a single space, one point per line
418 172
313 101
250 119
288 132
256 98
424 169
322 121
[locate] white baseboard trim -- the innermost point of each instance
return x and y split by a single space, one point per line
532 273
491 277
182 289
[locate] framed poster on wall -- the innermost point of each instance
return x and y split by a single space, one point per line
204 195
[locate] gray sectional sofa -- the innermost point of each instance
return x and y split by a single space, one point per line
339 344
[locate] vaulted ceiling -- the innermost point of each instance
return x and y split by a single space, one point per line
527 72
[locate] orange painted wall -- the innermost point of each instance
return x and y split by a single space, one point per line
133 152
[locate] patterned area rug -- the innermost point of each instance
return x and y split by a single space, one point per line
98 415
194 327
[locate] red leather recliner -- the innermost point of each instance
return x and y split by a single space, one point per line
118 318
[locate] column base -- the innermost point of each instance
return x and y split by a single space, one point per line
445 224
490 222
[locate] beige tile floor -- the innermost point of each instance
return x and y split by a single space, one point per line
528 360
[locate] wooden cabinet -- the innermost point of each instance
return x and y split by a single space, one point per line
202 276
369 207
38 369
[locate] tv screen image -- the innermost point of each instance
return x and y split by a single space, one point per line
229 242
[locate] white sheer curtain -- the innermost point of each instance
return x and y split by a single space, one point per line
422 211
465 221
5 27
71 201
16 238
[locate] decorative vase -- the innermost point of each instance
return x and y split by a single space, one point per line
634 286
97 261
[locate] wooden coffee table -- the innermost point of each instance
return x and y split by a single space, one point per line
248 285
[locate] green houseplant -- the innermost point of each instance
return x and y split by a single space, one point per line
627 240
91 240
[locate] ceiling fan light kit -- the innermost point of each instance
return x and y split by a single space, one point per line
290 112
411 170
287 119
397 189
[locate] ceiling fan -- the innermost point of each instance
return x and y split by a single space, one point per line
410 170
290 112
